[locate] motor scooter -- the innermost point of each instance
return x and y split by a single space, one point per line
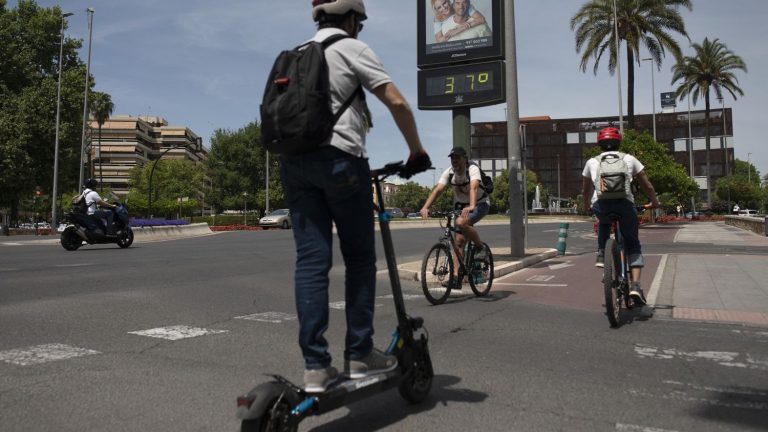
279 405
83 228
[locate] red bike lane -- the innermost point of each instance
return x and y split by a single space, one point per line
573 281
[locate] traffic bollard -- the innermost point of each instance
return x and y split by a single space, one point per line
561 236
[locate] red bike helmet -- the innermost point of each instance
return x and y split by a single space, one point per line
609 138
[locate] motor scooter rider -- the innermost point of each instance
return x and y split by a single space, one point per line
94 201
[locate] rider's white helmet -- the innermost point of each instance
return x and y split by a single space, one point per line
338 7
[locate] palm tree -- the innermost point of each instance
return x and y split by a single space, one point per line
712 67
640 22
101 109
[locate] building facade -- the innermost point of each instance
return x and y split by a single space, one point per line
128 141
555 148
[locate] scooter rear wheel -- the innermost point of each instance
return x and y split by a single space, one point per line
70 240
275 419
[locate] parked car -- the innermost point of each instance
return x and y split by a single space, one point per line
395 212
747 212
278 218
414 216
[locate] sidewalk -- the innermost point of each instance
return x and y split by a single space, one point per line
729 287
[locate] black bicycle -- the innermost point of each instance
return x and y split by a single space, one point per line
438 277
617 277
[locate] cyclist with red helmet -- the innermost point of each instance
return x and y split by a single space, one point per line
609 140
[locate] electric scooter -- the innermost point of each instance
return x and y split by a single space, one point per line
280 405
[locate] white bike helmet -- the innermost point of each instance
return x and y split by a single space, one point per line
338 7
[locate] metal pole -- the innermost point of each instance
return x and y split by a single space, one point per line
514 151
85 100
618 66
558 182
54 204
523 143
653 95
690 154
725 141
749 170
266 209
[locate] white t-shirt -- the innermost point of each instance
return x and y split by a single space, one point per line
438 25
351 63
91 198
461 184
590 171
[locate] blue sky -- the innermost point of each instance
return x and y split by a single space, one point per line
203 63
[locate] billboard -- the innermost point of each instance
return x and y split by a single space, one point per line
668 100
459 31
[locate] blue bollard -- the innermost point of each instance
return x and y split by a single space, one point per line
561 236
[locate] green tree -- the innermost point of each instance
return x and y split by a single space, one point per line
670 180
410 196
646 23
29 48
172 179
101 108
236 164
711 68
500 196
742 188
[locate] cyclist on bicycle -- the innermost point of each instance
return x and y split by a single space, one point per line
609 140
468 196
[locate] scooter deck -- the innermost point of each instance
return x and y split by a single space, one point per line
346 390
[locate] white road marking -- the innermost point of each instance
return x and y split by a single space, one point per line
341 305
43 354
540 278
654 291
176 332
405 296
269 317
621 427
10 244
722 358
529 284
561 266
725 390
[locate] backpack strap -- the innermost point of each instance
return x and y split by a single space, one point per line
327 42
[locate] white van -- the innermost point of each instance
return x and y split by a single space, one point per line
747 212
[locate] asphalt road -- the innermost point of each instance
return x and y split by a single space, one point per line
86 344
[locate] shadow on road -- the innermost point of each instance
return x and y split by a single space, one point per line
388 408
744 406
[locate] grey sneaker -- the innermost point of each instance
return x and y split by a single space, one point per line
600 262
318 380
637 295
375 362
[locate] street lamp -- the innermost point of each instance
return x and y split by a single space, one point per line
618 65
725 139
152 173
749 170
87 82
558 182
54 222
653 95
690 153
266 206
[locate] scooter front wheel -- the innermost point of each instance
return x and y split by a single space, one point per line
126 239
418 373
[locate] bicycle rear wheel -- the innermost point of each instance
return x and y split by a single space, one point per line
436 271
481 277
611 282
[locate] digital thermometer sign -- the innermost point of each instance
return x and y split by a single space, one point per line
471 85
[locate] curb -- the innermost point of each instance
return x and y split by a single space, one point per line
503 263
171 231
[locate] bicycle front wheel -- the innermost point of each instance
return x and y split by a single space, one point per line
611 282
436 271
481 277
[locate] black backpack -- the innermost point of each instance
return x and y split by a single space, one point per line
79 205
296 114
486 184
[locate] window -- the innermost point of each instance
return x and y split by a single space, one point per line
573 138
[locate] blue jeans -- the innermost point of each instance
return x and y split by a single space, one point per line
321 188
628 223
